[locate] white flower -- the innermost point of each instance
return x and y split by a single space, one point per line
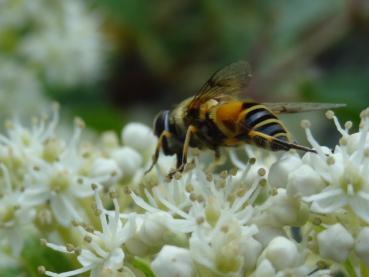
173 261
345 172
153 230
139 137
335 243
20 90
265 269
106 167
362 245
22 144
128 160
214 210
67 47
282 253
250 251
16 214
197 197
221 249
281 169
256 166
62 183
280 210
304 181
102 252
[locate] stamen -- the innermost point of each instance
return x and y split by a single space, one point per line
41 269
309 136
261 171
329 114
235 160
348 125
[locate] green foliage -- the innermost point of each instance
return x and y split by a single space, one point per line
34 255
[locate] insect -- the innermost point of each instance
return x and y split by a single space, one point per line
217 117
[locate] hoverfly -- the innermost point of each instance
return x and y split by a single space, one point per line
216 117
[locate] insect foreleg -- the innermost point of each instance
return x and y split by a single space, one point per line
155 157
190 131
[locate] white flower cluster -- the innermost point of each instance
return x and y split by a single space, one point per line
57 43
267 216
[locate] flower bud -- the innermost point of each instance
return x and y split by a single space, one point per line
280 170
110 139
286 210
335 243
265 269
250 250
267 233
153 231
304 181
137 247
227 257
138 136
362 245
173 261
128 160
106 167
282 253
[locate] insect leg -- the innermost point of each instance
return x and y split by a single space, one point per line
155 157
218 161
182 156
265 139
190 131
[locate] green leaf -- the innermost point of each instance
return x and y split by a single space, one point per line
142 265
35 255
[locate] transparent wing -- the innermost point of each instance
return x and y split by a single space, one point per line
230 80
299 107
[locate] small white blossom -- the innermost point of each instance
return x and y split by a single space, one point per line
139 137
197 197
304 181
102 253
264 269
281 169
282 209
106 167
345 173
67 47
335 243
173 261
221 249
16 214
250 251
16 81
153 230
62 183
282 253
128 160
362 245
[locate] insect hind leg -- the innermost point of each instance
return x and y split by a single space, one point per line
276 144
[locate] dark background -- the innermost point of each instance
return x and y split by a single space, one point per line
164 50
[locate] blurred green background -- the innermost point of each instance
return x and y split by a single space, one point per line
162 51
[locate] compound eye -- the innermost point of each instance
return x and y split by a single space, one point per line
160 123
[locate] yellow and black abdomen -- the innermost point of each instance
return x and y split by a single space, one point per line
262 127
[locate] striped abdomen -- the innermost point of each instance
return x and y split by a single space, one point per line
263 128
